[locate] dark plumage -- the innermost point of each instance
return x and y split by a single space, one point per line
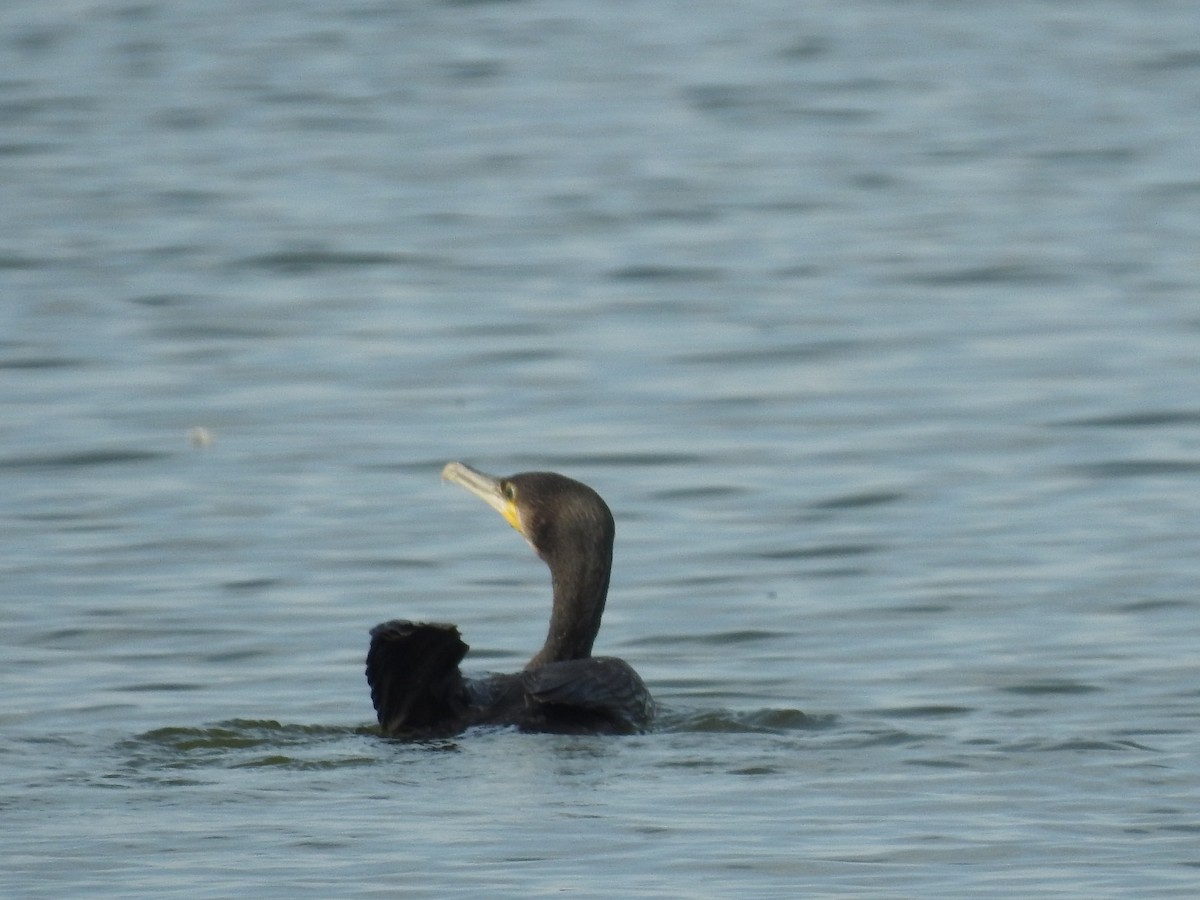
416 685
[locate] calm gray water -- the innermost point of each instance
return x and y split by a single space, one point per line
877 324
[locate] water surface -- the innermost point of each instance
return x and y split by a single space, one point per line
875 324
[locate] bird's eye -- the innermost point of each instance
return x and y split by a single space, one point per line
510 491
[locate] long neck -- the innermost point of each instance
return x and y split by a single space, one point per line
580 588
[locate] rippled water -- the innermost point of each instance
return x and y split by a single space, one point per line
875 323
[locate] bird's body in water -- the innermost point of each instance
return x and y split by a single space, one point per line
416 684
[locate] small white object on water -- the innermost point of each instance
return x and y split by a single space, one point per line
201 436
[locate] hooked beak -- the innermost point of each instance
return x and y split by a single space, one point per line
495 492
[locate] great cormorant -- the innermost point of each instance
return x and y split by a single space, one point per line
412 667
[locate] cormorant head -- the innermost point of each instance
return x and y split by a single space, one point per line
562 519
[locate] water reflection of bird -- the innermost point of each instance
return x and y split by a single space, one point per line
412 668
